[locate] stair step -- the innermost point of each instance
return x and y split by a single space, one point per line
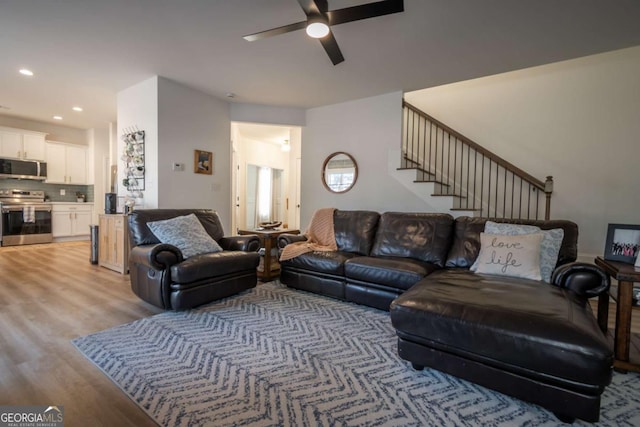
415 168
450 195
412 161
407 159
431 180
418 170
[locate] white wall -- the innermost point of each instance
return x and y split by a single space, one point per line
138 108
577 120
190 120
367 129
267 114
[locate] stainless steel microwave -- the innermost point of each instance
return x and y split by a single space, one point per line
23 169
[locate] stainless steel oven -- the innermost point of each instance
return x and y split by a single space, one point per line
26 218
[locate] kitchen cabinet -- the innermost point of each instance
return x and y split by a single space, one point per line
113 251
71 219
22 144
66 163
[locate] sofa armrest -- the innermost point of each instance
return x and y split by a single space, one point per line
285 239
159 256
584 279
247 243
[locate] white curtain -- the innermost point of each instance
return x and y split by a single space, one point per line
264 195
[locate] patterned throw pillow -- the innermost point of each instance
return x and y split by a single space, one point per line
186 233
515 256
549 249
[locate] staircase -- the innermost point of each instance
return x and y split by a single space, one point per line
471 179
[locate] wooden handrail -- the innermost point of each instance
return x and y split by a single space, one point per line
480 149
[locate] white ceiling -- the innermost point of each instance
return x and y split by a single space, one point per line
84 51
264 133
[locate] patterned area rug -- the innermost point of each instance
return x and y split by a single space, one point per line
279 357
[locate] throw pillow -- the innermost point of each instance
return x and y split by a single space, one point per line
549 249
516 256
186 233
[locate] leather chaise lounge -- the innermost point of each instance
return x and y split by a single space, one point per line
536 341
162 277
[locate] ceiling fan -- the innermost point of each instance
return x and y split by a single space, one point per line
320 20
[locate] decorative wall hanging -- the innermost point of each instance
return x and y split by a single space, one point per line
203 162
133 158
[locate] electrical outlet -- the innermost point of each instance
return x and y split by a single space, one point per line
63 192
177 167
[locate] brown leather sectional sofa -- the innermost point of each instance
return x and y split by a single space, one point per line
536 341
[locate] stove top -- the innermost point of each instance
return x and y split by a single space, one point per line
21 196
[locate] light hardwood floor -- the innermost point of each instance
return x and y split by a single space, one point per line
51 294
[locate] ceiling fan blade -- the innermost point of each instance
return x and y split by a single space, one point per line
313 7
276 31
364 11
330 45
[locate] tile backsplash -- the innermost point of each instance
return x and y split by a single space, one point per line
51 191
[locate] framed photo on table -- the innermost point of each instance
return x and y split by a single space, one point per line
203 162
623 243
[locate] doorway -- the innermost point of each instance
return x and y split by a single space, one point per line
266 175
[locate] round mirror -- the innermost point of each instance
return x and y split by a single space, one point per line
339 172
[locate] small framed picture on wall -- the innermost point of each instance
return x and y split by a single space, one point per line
203 162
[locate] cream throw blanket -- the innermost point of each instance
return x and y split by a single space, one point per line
320 236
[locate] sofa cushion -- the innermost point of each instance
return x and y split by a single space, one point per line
355 230
514 256
549 248
422 236
186 233
521 325
140 234
320 262
398 273
213 265
466 239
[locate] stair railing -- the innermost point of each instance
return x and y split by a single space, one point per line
477 179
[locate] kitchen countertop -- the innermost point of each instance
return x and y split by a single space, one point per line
70 203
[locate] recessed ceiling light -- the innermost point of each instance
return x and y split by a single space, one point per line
57 117
26 72
77 109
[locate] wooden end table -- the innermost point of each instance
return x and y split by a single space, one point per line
269 267
626 275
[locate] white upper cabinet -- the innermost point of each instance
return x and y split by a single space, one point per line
33 146
56 163
66 163
22 144
76 159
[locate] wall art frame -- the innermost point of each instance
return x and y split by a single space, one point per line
623 243
203 162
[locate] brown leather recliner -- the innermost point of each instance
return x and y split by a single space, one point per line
161 276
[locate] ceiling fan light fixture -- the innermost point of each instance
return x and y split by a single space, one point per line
317 27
